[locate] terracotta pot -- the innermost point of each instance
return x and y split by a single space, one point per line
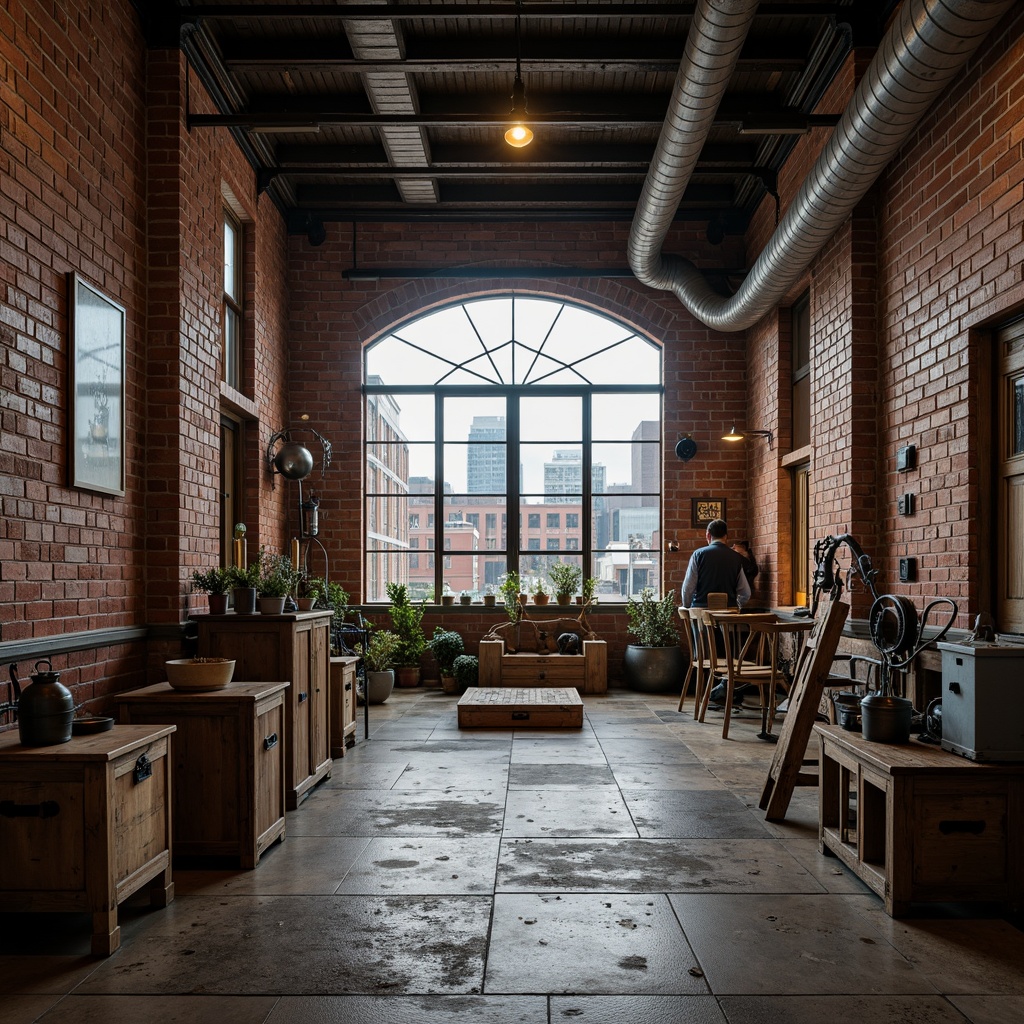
563 599
447 599
489 600
408 675
540 598
305 603
448 684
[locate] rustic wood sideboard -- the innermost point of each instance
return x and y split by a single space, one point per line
229 753
919 824
295 647
85 824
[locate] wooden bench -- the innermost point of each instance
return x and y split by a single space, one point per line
586 672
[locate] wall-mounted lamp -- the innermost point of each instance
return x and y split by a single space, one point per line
739 435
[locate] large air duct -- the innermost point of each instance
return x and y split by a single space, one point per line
927 45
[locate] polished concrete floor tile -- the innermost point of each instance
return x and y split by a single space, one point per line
828 871
693 814
411 1010
650 865
637 1009
450 777
552 775
660 776
793 945
850 1008
556 812
401 812
301 865
647 751
305 945
352 774
959 955
25 1009
423 867
589 943
990 1009
147 1009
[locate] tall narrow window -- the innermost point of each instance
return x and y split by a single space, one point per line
802 372
527 408
801 534
232 302
230 484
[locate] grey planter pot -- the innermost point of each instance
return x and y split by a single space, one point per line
379 685
654 669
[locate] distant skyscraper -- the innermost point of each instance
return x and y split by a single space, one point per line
485 463
646 462
564 475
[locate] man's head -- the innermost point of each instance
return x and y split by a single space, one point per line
717 530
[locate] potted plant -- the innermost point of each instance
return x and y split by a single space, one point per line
215 583
243 587
277 579
540 591
465 597
447 597
466 669
407 623
565 578
588 590
655 663
508 587
379 659
311 589
490 598
446 645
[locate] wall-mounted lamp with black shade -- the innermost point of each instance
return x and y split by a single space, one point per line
740 435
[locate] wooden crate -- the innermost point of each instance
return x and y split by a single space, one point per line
919 824
229 754
514 707
343 704
85 824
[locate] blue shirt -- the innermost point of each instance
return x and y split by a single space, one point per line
715 569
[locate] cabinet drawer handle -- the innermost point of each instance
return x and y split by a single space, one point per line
975 828
143 769
954 687
542 675
303 696
270 741
520 716
348 686
47 809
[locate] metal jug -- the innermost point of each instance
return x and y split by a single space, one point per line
45 708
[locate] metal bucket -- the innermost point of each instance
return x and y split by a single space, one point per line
886 719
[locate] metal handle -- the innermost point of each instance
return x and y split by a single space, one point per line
520 716
954 687
46 809
143 769
975 828
303 696
348 686
270 741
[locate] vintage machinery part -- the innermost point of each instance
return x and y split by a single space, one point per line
924 50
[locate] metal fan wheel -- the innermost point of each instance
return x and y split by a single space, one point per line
893 624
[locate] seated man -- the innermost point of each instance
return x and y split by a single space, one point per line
717 569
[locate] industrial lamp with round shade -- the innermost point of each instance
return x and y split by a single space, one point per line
518 135
293 461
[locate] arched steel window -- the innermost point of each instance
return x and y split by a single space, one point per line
512 432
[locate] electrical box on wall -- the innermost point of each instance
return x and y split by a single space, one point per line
908 570
906 457
905 504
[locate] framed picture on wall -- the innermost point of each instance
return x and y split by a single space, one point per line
96 387
703 510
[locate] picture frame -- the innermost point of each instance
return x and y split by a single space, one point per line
704 510
96 385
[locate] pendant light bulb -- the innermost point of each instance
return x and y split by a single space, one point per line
518 134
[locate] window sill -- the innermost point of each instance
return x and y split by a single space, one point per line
238 403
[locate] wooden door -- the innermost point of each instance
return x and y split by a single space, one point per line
1010 473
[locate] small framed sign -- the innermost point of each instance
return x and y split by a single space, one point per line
704 510
96 384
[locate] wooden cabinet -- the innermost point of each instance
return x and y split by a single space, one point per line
343 704
295 647
919 824
587 673
229 754
85 824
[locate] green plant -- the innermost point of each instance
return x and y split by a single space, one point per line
446 645
336 599
508 587
212 581
381 651
277 575
565 577
651 621
540 587
466 669
589 588
314 587
407 622
247 577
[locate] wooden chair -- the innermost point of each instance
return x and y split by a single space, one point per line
742 661
718 602
697 661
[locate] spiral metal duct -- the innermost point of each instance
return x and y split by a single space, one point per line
927 45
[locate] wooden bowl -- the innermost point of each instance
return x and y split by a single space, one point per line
197 675
89 724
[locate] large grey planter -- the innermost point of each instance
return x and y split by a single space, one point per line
654 669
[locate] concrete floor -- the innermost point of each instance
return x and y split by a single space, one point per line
618 873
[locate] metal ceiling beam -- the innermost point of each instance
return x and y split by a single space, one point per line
485 12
